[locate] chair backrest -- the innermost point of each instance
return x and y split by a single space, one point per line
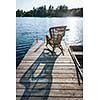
57 30
57 33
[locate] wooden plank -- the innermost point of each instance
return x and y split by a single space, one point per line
59 57
39 80
55 70
53 74
64 98
55 79
53 86
31 58
37 72
60 64
66 67
64 76
49 98
59 93
46 61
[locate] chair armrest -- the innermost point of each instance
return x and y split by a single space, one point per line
67 29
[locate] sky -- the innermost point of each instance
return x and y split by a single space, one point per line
29 4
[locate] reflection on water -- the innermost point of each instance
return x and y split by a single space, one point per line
75 35
29 28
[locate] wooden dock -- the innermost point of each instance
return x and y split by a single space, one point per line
42 76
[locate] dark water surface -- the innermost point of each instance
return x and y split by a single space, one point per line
29 28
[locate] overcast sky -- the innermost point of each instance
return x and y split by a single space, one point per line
29 4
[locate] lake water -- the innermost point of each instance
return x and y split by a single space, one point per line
29 28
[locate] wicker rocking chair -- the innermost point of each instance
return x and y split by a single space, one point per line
56 35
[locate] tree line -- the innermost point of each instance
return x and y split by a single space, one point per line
60 11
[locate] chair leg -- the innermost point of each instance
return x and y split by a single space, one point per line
47 40
61 48
53 50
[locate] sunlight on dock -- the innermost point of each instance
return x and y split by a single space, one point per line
43 76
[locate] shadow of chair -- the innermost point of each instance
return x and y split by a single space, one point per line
56 35
38 86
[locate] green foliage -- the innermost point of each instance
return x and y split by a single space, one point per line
19 13
60 11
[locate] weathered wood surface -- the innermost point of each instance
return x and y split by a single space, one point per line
41 76
50 98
